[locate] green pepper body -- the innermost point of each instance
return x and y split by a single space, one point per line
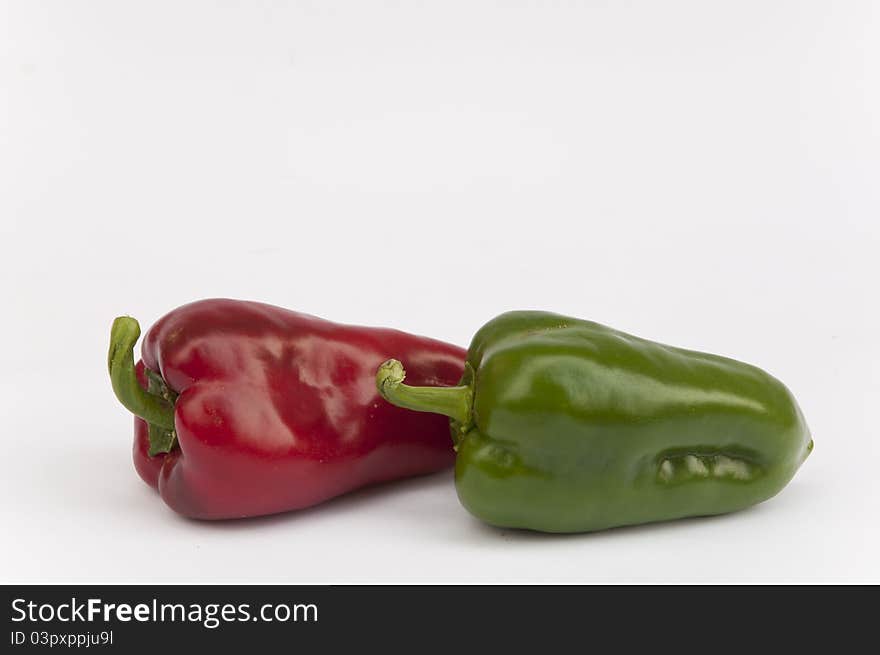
573 426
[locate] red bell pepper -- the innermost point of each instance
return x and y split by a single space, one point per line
244 409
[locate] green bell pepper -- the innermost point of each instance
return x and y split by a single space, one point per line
565 425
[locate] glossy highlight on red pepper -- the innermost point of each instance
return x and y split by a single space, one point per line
250 409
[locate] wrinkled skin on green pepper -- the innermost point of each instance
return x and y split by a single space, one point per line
565 425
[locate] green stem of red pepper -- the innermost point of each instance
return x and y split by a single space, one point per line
454 402
154 409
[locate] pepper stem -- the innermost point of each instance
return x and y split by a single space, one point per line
454 402
120 360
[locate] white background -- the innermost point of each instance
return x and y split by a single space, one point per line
705 174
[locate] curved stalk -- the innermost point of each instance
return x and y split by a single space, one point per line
154 409
454 402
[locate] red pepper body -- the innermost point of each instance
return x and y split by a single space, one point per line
279 410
